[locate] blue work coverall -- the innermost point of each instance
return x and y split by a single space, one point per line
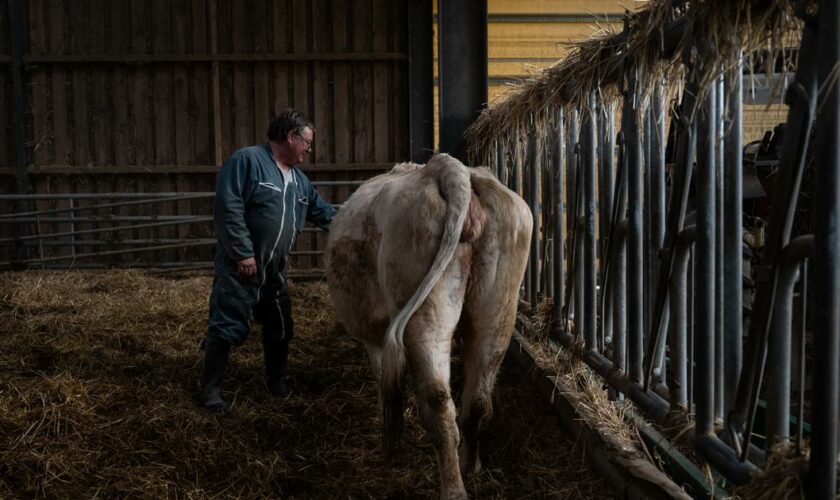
257 214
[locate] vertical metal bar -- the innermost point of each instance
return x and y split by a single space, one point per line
548 194
657 205
635 260
826 314
800 349
571 169
704 337
462 70
590 294
619 296
678 338
421 110
780 342
606 182
718 360
732 240
532 172
558 159
606 170
692 269
515 159
578 237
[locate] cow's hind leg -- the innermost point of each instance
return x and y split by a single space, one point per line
428 342
487 330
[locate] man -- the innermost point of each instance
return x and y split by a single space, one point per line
262 201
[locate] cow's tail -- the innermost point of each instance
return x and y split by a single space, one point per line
454 183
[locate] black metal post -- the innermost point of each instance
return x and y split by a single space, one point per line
532 172
678 338
558 161
704 295
826 279
420 80
635 259
779 348
732 240
462 49
590 294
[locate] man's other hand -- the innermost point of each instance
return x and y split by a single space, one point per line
247 268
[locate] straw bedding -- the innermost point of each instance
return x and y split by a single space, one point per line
97 398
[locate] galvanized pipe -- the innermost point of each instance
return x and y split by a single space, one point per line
71 209
719 299
558 160
606 183
590 293
826 306
618 289
656 167
532 172
104 230
635 258
733 235
780 342
704 294
678 336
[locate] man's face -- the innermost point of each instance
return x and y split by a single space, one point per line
300 144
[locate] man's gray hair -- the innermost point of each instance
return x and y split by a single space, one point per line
287 121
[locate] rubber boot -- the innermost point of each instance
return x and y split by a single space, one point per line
215 361
276 352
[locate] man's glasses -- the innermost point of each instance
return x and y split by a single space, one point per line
305 141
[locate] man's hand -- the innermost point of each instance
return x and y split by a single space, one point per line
247 268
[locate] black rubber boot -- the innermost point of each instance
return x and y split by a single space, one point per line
276 352
215 361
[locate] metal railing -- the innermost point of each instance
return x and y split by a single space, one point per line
94 230
654 294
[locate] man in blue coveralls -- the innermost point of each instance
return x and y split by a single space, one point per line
262 201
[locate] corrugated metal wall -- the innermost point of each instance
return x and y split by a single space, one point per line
152 95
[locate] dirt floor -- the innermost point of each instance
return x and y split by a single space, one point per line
99 374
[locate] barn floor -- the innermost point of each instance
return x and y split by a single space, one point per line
100 373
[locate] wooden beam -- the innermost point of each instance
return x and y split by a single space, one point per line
178 169
212 58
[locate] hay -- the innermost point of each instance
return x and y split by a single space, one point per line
603 63
97 398
781 477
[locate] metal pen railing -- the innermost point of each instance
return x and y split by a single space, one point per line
654 294
53 237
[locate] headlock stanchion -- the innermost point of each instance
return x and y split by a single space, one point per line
648 234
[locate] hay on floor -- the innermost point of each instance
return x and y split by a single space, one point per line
98 398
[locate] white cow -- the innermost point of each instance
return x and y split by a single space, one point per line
412 255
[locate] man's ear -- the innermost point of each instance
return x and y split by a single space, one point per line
290 136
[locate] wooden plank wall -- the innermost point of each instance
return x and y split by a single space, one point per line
152 95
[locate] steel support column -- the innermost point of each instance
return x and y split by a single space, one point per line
823 470
420 80
462 49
